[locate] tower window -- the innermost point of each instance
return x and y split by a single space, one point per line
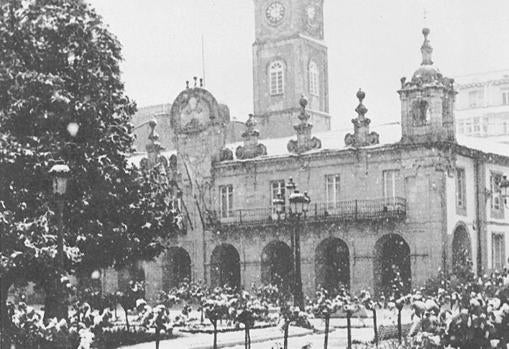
314 79
277 78
421 113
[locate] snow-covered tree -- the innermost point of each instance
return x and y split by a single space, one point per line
59 65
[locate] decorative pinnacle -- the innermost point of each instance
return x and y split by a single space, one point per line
251 122
195 78
187 84
201 82
361 108
426 48
153 136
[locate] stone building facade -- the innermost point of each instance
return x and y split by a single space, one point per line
411 198
483 105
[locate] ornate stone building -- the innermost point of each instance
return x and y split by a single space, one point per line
410 197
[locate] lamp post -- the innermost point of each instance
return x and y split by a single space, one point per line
60 176
299 205
60 173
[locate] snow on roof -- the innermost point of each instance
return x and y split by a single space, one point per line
390 133
484 145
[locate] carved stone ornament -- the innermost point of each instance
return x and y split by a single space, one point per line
251 148
361 136
304 140
194 110
225 154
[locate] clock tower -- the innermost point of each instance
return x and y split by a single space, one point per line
289 60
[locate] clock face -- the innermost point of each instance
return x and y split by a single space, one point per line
275 13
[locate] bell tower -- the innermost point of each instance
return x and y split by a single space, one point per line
427 102
289 60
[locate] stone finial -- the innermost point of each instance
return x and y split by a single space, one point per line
361 136
195 78
251 147
201 82
304 140
426 48
187 84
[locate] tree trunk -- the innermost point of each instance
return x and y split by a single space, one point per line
285 338
215 334
349 328
399 326
126 319
247 338
326 340
158 338
375 327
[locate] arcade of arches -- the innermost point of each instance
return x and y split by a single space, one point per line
331 264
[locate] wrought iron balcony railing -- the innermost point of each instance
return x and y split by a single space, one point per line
351 210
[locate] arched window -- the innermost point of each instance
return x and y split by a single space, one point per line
277 78
314 79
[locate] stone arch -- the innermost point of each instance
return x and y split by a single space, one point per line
176 267
277 264
132 272
332 264
392 255
225 266
461 248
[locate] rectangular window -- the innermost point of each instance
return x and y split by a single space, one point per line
461 191
390 178
468 127
276 187
477 125
498 250
505 97
332 187
497 205
475 98
226 201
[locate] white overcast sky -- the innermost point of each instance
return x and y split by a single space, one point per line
372 44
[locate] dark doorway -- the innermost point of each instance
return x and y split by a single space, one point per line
332 265
461 252
277 265
392 269
177 268
225 267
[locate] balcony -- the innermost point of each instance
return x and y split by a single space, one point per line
351 210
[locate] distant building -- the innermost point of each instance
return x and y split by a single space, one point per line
482 105
413 197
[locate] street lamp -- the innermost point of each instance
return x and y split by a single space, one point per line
299 205
60 176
